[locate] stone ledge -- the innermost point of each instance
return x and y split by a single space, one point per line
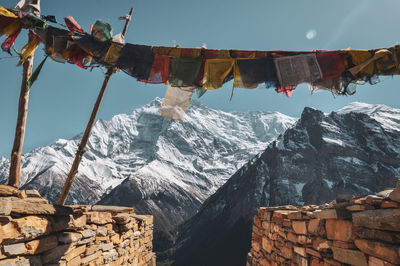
33 232
358 231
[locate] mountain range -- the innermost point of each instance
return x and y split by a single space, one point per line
159 166
353 151
204 179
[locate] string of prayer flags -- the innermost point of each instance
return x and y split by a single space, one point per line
186 69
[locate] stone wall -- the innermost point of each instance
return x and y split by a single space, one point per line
357 231
33 232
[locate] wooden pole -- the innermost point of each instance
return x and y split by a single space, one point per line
16 153
82 146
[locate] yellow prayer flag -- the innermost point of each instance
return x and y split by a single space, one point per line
28 50
360 56
10 29
238 81
113 54
215 71
4 12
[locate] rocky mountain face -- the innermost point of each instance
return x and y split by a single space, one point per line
353 151
156 165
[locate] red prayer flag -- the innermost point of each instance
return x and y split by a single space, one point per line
72 25
6 45
286 90
78 57
159 70
331 64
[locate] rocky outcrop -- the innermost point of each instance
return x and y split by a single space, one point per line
33 232
323 157
359 231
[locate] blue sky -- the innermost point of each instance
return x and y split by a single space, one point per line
62 98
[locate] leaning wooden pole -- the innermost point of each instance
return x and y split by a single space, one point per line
82 146
16 153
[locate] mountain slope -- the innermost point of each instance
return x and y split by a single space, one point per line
350 152
159 166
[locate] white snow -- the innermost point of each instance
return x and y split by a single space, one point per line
330 183
352 160
197 155
299 188
388 116
333 141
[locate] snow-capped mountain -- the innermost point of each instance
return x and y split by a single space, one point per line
353 151
163 167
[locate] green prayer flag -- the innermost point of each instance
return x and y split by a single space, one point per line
35 74
184 71
102 31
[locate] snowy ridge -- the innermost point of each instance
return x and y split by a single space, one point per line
387 116
197 155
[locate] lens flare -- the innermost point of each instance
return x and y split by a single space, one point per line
311 34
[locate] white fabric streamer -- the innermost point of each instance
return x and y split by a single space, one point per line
176 102
25 5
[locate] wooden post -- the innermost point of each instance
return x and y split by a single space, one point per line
82 146
16 153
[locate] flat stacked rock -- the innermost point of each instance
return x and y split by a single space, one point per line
33 232
357 231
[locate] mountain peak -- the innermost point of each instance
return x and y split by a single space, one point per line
319 158
311 116
153 104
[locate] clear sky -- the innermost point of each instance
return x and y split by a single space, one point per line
62 98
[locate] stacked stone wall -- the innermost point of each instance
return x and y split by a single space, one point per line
357 231
33 232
